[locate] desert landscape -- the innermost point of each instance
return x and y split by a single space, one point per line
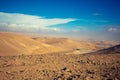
59 39
23 57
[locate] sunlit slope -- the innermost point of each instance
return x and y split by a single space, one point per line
67 43
17 44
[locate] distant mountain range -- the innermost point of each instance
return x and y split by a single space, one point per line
17 44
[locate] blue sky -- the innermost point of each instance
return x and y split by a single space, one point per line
88 19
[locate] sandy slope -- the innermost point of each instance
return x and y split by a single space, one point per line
17 44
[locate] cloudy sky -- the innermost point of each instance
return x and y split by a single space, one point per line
81 19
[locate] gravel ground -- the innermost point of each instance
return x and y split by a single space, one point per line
60 66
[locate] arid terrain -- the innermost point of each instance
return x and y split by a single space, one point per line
45 58
18 44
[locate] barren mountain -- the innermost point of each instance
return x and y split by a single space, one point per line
17 44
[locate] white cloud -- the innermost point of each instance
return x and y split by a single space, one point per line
113 29
56 29
29 22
